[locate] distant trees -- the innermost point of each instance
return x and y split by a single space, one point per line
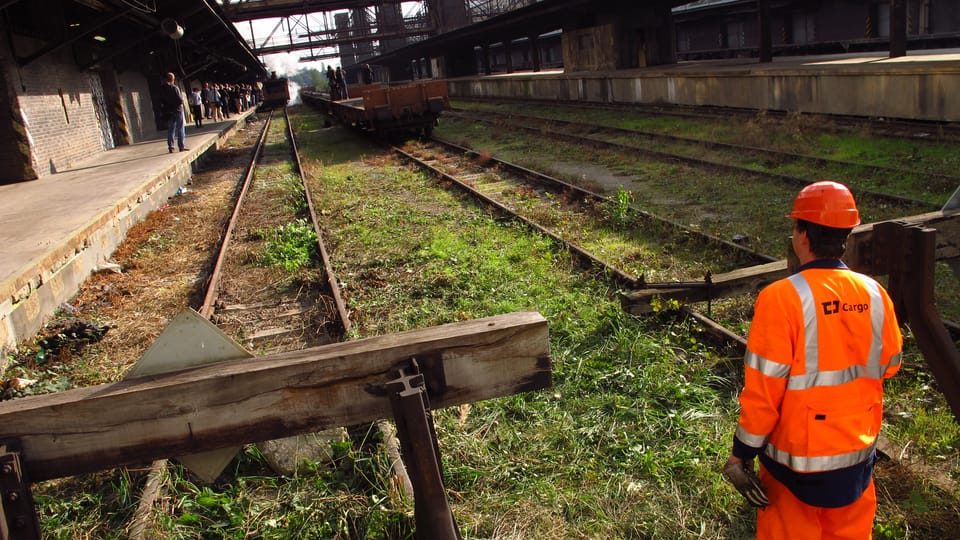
309 77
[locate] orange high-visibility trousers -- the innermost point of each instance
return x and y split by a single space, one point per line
789 518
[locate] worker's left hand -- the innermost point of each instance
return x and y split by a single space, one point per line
741 475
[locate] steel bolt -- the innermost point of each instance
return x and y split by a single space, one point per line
13 496
19 522
7 468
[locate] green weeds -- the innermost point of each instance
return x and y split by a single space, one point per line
292 246
626 444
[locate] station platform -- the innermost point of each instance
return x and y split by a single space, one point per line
922 85
58 229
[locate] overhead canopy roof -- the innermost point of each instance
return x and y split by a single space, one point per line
244 10
127 34
535 19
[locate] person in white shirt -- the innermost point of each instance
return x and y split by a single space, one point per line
196 107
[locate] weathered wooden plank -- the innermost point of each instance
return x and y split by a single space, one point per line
740 281
248 400
862 255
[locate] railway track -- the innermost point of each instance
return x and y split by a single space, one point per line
918 130
757 158
594 207
567 133
574 217
268 318
510 189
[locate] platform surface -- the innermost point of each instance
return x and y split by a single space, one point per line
933 59
39 217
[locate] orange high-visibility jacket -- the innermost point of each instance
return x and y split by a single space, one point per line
820 345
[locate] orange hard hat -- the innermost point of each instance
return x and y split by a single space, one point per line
826 203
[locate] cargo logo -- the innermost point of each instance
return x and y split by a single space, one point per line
834 306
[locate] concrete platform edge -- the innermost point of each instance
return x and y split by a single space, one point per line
907 92
32 297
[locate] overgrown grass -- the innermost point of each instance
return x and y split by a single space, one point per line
626 444
292 246
797 134
588 468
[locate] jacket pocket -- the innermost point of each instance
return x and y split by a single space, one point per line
841 431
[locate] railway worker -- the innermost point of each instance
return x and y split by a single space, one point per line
821 343
171 109
367 74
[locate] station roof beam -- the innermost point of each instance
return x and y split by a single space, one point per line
121 34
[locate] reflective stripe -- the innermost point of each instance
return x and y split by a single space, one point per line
826 378
750 439
819 463
876 323
813 376
811 352
765 366
894 361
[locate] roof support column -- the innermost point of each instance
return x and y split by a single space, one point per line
534 41
16 154
766 39
898 28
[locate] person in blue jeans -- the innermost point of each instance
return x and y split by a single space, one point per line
171 108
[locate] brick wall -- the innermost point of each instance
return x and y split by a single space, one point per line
57 108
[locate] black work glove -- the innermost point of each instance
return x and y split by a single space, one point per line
743 478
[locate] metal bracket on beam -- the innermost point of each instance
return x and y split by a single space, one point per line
18 516
418 440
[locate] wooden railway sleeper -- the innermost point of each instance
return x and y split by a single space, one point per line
911 283
706 285
18 515
418 439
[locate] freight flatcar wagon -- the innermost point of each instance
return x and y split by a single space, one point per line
409 108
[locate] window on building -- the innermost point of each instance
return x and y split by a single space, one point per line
881 20
736 37
803 29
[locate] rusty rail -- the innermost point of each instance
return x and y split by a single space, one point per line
213 284
138 524
583 193
620 277
324 255
694 161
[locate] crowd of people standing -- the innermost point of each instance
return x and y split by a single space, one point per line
213 101
216 101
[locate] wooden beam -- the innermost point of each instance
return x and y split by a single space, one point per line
740 281
248 400
862 255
